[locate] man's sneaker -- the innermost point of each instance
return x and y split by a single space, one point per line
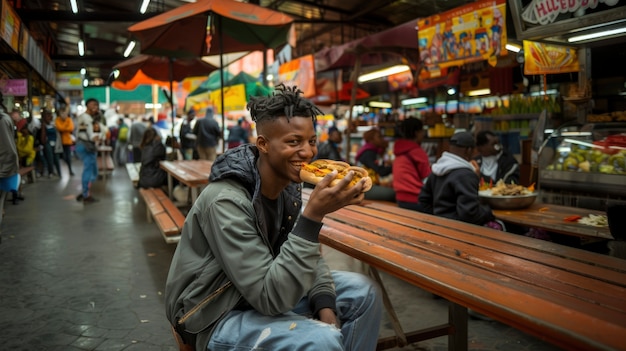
79 197
90 200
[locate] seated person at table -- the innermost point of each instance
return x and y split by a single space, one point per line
495 163
411 165
247 273
331 149
370 157
451 190
152 152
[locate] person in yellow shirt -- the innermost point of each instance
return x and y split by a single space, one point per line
26 147
65 127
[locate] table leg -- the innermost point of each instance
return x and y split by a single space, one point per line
457 315
395 322
194 194
170 186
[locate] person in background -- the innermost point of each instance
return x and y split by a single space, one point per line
65 127
410 165
9 166
237 135
120 152
48 138
331 149
26 147
451 190
251 255
187 137
137 128
88 137
371 157
152 152
18 120
208 134
495 163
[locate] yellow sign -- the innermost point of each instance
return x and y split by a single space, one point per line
542 58
234 98
469 33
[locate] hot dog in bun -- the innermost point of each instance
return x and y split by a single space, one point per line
316 170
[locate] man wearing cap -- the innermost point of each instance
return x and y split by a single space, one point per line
329 150
451 190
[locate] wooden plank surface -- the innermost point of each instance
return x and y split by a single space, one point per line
572 298
550 217
192 173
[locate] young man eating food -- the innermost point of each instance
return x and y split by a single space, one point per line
247 273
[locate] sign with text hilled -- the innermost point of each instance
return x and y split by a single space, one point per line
473 32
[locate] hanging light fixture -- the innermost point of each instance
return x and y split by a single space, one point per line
129 48
81 47
383 73
74 6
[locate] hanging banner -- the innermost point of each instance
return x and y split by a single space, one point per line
14 87
10 26
299 72
234 98
542 58
469 33
546 11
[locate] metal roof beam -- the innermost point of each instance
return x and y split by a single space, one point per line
68 16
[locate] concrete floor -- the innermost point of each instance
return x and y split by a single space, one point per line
91 277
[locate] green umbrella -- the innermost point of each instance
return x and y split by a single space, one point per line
212 82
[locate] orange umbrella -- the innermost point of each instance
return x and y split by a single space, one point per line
162 68
138 79
211 27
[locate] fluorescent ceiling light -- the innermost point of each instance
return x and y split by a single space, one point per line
74 6
83 71
129 48
597 35
451 91
150 105
383 73
85 82
81 48
413 101
479 92
380 104
144 6
116 73
513 47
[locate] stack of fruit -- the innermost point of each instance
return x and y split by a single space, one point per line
600 160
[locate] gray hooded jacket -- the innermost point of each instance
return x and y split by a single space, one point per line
451 191
225 261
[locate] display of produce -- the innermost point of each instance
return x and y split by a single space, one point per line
606 156
588 158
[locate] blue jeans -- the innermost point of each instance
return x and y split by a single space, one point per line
90 167
359 310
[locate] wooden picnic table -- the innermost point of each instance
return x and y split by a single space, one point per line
192 173
572 298
551 217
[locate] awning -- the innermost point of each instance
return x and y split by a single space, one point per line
387 46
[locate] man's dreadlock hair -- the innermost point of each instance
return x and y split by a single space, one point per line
285 101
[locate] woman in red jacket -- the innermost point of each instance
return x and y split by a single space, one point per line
411 165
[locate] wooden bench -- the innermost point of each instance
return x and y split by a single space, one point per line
572 298
162 210
28 172
133 172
